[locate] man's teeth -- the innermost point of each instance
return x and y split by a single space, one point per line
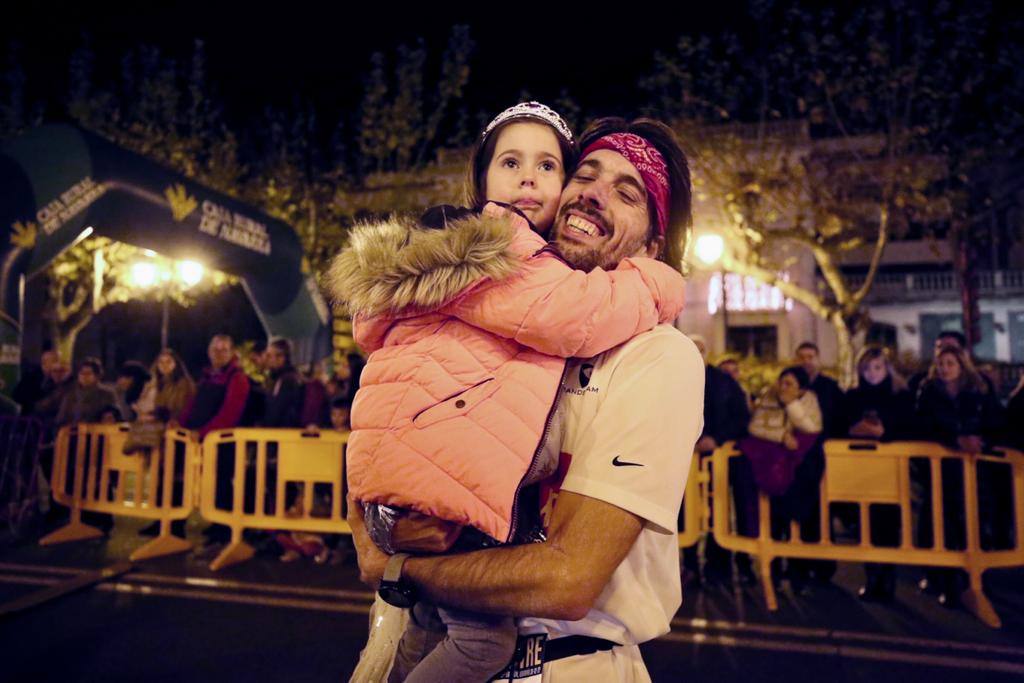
582 225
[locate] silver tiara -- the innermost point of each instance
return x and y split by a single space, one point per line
533 110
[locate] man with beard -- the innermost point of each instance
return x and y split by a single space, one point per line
607 577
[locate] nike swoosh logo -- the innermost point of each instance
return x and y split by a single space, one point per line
625 463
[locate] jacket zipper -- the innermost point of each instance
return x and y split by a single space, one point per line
514 525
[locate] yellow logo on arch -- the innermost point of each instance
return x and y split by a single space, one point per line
182 205
24 235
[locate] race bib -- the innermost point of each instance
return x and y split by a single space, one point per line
528 661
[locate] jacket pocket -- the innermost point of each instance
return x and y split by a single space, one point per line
457 405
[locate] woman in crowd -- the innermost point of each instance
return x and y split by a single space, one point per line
163 398
167 393
955 407
85 401
879 406
785 427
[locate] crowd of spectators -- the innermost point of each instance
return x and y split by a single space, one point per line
782 438
781 435
164 395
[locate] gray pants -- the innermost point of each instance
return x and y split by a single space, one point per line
441 645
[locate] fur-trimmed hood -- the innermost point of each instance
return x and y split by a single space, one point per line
395 264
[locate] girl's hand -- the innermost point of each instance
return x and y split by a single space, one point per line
868 429
790 442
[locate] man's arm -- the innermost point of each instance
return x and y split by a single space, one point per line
558 579
590 533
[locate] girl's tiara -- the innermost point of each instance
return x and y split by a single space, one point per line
532 110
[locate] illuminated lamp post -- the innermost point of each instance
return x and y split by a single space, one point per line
184 274
710 248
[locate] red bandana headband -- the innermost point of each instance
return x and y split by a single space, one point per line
648 161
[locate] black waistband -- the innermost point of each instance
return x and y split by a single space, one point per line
570 646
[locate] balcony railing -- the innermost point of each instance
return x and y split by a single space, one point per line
895 286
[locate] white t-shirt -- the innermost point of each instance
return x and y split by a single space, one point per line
631 418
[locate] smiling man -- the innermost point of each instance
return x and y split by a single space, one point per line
607 577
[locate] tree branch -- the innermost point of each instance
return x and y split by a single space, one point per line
788 289
876 258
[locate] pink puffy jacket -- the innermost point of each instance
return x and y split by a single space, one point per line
467 329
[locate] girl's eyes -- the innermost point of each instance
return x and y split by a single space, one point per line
509 162
548 166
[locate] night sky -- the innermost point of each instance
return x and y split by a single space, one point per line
300 51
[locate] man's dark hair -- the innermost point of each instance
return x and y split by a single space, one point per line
809 345
953 334
285 347
799 374
680 210
340 402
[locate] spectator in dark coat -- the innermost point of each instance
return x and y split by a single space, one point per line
802 503
879 406
284 389
87 399
35 382
830 396
1013 434
946 338
345 382
726 416
955 407
57 383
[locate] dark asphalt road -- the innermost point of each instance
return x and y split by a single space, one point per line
174 620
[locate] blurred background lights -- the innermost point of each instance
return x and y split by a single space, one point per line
710 248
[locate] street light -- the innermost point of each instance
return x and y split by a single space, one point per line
143 274
190 273
710 248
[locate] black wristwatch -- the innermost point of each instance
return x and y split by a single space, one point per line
393 590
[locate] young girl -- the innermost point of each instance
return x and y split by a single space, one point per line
468 328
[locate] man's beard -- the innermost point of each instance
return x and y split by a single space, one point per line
587 257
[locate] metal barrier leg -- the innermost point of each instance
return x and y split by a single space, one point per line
765 564
164 544
978 604
237 551
75 530
764 558
974 597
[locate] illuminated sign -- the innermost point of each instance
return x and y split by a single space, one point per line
745 293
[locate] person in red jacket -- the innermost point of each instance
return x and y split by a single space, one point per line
222 392
219 403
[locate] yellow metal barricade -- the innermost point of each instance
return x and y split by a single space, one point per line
695 508
91 472
257 469
868 473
